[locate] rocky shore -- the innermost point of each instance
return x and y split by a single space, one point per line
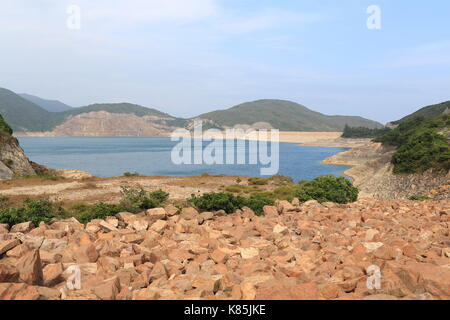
295 251
372 173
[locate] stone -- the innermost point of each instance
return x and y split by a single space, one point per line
108 289
6 245
284 206
30 268
159 226
270 211
372 246
279 229
139 225
219 256
249 253
171 210
306 291
189 213
8 273
156 214
52 274
107 227
86 254
22 227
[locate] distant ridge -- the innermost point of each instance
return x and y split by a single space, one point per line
49 105
27 117
285 116
427 112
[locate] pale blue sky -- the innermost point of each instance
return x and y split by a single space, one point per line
186 57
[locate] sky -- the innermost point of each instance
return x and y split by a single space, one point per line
187 57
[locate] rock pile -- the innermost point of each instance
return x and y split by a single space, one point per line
295 251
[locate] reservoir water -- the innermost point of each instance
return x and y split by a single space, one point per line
109 157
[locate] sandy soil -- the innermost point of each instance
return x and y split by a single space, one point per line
70 191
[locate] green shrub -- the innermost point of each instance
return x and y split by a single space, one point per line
5 129
131 174
135 200
258 181
280 180
419 198
217 201
85 213
34 211
257 202
420 145
327 188
362 132
286 192
230 203
235 188
421 152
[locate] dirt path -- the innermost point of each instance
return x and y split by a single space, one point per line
108 189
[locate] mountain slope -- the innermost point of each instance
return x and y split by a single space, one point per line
23 115
122 108
427 112
12 158
285 116
49 105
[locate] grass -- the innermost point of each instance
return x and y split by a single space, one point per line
420 145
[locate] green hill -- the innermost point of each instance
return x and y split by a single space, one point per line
285 116
23 115
5 129
427 112
125 108
49 105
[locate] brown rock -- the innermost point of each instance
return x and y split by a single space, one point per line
107 289
30 268
7 245
307 291
22 227
52 274
85 254
8 273
270 211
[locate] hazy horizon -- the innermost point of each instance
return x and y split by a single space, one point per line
188 57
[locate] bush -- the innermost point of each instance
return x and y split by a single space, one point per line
85 213
362 132
34 211
280 180
419 198
327 188
135 200
257 202
131 174
230 203
258 181
421 152
285 192
420 145
217 201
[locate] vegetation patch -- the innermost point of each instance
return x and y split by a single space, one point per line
34 211
420 146
327 189
230 203
362 132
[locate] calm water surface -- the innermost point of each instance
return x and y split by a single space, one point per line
108 157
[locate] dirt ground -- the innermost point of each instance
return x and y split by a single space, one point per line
91 190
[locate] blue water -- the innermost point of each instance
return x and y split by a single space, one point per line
110 157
